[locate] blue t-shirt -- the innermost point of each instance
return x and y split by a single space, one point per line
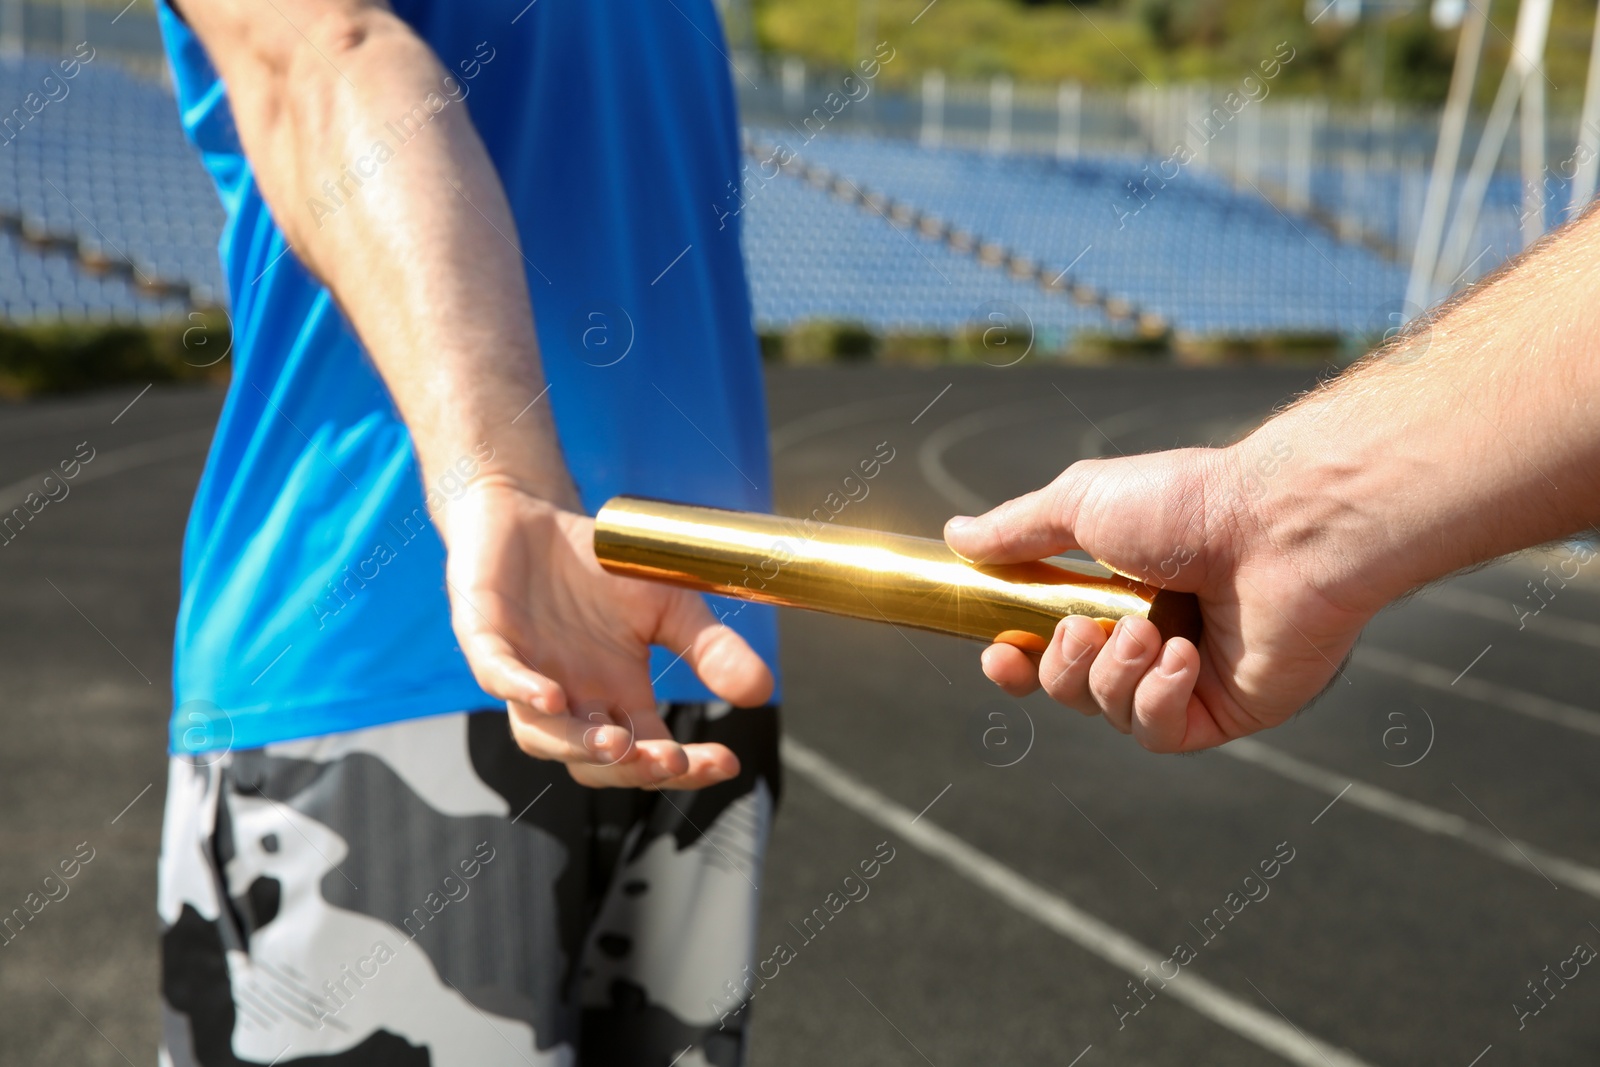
313 581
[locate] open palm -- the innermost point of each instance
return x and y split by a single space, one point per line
567 645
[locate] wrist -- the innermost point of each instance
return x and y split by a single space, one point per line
510 441
1325 501
481 471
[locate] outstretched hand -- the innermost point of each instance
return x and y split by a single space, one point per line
1273 635
567 645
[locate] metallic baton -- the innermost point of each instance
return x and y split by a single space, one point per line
864 574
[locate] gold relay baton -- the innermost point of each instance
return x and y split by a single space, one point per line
864 574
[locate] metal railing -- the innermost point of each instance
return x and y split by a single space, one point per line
1362 171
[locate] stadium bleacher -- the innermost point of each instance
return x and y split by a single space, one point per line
1210 260
1379 201
51 286
813 257
107 166
104 176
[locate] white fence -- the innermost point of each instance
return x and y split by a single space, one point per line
1361 170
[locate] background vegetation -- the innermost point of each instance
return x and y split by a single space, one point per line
40 359
1127 42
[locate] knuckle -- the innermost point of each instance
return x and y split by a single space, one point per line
1065 687
1007 532
530 743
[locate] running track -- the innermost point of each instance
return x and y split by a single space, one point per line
1439 802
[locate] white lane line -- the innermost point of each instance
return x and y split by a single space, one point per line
105 464
1331 803
1418 816
930 456
1503 834
1279 1010
1531 705
1496 609
1122 423
1471 665
1059 915
829 420
932 802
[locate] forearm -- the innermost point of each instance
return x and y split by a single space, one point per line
1471 436
365 152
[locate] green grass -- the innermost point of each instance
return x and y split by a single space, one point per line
820 342
1127 42
38 360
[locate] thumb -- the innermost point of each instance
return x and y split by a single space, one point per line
727 665
1038 524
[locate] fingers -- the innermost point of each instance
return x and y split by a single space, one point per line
708 764
503 672
496 663
1140 685
1031 527
661 765
620 750
1164 700
595 737
1064 667
1131 649
1012 669
727 665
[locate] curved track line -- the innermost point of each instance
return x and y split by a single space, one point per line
114 462
1418 816
854 413
930 456
1390 805
1497 609
1271 1032
1531 705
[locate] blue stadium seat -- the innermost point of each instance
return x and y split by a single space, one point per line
1207 258
109 164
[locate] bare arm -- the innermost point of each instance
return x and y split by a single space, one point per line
418 245
1474 434
438 299
1470 436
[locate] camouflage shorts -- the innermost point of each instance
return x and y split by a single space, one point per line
424 893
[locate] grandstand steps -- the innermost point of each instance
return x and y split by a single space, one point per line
904 216
1181 246
106 210
105 206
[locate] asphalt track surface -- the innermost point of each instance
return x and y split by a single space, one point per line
1438 803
